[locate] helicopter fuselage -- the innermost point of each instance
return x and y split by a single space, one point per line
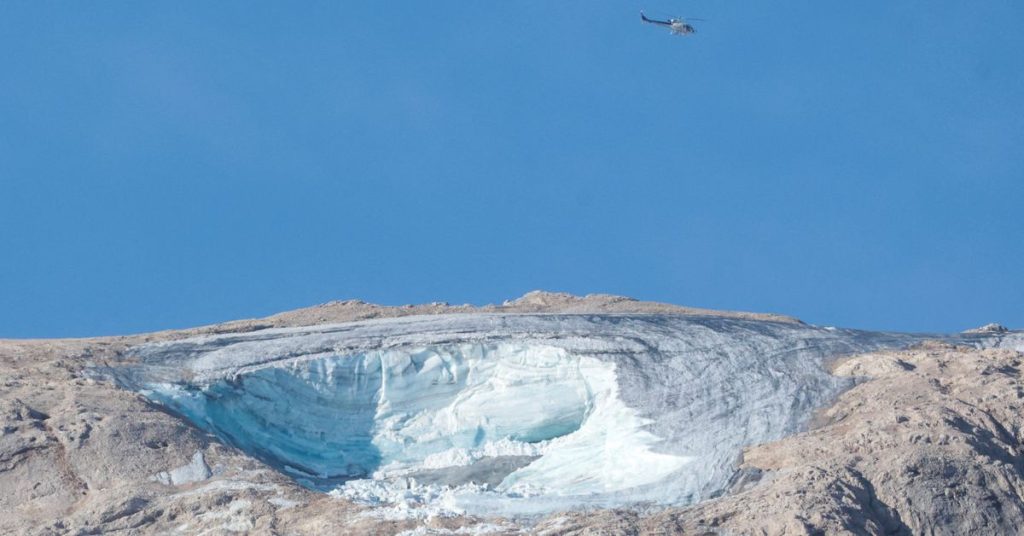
679 27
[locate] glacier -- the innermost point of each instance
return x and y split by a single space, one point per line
511 414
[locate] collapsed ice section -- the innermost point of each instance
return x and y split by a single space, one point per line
335 418
511 414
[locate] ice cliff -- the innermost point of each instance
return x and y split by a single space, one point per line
509 413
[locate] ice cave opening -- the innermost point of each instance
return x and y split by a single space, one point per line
506 419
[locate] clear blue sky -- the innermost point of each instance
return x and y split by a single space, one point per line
168 164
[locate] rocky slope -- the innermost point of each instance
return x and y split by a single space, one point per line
928 441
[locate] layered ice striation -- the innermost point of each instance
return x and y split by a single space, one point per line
336 418
511 414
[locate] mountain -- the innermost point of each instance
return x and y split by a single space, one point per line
353 417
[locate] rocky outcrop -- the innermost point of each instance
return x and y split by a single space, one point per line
531 302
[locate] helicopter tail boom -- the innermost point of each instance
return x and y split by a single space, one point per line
653 21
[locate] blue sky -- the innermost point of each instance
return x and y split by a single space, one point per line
172 164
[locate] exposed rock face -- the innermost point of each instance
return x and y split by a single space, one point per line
531 302
928 441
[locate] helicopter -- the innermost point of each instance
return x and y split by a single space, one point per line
678 26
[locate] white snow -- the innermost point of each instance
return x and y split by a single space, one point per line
460 457
193 471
